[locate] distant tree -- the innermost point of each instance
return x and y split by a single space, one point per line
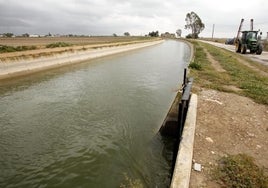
25 35
8 34
115 35
154 34
189 36
194 23
126 34
178 32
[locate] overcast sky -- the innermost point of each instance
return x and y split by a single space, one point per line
138 17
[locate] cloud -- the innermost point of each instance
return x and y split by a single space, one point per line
104 17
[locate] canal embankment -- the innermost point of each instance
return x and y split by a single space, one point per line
231 118
28 65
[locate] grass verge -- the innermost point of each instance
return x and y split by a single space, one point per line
250 83
5 48
240 171
58 44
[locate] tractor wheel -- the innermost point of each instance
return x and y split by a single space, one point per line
259 50
244 48
238 47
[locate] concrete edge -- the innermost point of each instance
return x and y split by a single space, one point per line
183 166
192 56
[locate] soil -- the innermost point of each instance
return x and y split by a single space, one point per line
227 124
43 41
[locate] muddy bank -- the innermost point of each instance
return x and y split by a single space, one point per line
24 66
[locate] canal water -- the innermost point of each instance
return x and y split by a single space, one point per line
94 124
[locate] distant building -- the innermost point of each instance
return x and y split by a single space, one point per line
168 35
34 36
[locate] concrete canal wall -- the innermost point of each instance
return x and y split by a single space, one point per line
170 127
27 66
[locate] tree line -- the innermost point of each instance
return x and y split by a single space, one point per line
193 22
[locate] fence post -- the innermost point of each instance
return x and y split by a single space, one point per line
185 76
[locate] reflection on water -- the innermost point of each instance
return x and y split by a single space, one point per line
92 124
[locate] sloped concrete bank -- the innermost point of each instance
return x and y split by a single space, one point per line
183 164
27 66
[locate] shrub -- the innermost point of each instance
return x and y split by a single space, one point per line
240 171
195 65
58 44
265 45
4 48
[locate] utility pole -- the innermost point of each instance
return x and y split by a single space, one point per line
213 31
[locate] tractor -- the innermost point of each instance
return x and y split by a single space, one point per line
250 40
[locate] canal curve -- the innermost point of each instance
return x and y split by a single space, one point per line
94 124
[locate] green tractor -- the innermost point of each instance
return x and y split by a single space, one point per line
250 40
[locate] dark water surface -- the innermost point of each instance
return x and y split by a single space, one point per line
94 124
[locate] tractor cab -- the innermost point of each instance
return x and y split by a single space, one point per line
249 36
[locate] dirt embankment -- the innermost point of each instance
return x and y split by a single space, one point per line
227 124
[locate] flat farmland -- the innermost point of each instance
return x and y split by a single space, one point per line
37 47
40 42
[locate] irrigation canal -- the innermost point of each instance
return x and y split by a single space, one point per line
94 124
